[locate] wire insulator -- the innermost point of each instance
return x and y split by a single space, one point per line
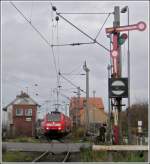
57 18
54 8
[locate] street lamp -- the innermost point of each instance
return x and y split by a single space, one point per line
124 10
87 70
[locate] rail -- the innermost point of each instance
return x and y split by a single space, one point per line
41 156
66 157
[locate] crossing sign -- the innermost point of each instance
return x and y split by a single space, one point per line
118 87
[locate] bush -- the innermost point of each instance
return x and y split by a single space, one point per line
79 132
17 156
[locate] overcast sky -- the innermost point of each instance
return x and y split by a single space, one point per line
28 60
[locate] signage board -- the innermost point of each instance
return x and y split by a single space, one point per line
139 123
118 87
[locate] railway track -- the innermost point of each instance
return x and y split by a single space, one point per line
63 157
50 156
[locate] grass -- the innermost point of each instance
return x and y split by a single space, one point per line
128 157
87 155
23 139
19 156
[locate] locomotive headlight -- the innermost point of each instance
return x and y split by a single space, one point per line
59 128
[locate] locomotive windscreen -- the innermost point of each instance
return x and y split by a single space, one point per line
54 117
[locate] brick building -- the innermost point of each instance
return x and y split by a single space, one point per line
21 116
96 110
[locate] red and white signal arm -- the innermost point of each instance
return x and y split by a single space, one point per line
141 26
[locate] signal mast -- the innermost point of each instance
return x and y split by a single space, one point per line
118 86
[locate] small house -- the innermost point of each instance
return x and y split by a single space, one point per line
21 116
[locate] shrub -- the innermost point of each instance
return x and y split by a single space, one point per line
79 132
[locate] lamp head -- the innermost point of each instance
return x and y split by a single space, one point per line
124 9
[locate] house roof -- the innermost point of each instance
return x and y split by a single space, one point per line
23 98
95 115
97 102
101 111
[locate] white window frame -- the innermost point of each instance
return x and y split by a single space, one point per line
20 112
28 112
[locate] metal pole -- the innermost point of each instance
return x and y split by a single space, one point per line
86 69
128 112
109 68
116 23
27 89
109 112
57 101
78 109
94 108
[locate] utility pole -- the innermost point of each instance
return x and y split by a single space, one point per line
116 78
124 10
57 106
78 111
86 69
109 109
27 89
94 92
117 74
77 106
128 112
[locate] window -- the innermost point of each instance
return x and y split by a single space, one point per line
54 117
19 112
28 112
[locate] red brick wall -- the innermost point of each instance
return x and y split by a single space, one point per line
20 125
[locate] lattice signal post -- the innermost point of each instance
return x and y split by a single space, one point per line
119 87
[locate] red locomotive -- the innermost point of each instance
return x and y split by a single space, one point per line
55 125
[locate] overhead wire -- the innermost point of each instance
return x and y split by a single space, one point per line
69 81
57 65
31 11
52 39
95 41
55 62
39 33
102 26
58 44
72 44
68 74
52 19
46 41
59 72
88 13
58 51
74 69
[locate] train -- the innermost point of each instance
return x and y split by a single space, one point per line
55 125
